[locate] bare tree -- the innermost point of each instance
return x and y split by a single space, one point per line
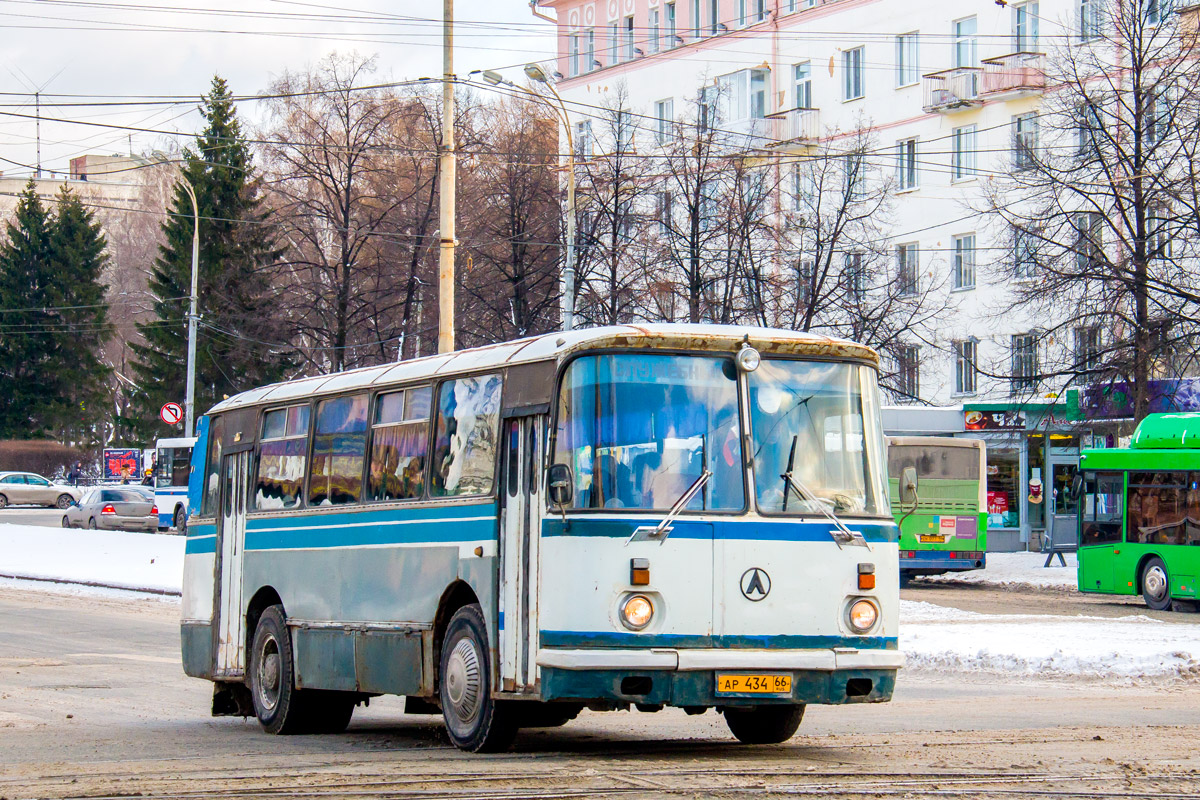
1100 208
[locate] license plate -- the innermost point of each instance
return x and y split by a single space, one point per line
933 539
754 684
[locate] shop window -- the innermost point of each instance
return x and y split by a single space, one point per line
1102 508
339 451
468 427
284 442
1164 508
1003 487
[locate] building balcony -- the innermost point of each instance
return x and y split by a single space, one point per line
796 125
952 90
1014 75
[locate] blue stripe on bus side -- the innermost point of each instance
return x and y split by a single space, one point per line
718 528
432 525
776 642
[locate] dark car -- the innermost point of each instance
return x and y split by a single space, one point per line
118 508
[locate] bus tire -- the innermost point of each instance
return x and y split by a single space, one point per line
475 721
179 520
764 724
281 708
1156 585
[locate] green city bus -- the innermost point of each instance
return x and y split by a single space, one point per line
1139 522
945 530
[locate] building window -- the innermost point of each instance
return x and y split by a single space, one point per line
1158 10
589 50
1089 19
906 164
1025 254
669 14
855 277
962 164
1088 239
852 63
629 54
744 94
803 82
907 65
965 371
1024 362
906 269
614 43
966 46
1087 348
1155 118
584 143
655 30
964 261
624 131
806 277
664 115
1025 141
713 17
697 26
1025 27
573 55
1088 131
1158 234
706 111
908 383
663 211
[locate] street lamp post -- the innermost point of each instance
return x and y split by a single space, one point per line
567 282
189 403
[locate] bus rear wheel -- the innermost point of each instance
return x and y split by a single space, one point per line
765 724
281 708
179 522
1156 585
475 721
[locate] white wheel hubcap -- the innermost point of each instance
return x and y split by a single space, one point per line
463 686
1156 582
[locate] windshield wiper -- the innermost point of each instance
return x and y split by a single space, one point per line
842 536
662 530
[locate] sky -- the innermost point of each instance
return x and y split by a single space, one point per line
87 52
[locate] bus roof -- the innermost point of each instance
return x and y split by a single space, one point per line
935 441
1161 442
557 346
179 441
1167 432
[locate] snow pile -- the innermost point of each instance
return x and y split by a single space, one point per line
1018 569
138 561
1035 645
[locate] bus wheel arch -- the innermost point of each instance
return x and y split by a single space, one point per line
264 598
457 595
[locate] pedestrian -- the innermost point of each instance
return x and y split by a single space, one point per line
148 478
75 474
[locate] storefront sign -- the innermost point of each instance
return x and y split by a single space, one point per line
997 502
994 420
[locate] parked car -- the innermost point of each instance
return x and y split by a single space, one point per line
26 488
119 508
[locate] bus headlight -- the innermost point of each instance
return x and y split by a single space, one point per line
636 612
748 358
862 615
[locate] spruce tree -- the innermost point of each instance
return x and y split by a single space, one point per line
29 330
238 341
78 256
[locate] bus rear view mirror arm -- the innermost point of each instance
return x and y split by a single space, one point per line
558 479
908 491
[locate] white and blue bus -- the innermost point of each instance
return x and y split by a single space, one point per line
659 515
172 469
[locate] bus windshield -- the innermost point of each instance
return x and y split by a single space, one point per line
638 429
818 421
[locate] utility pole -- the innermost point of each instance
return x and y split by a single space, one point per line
447 183
37 104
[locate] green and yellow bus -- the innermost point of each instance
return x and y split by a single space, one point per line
1139 522
945 529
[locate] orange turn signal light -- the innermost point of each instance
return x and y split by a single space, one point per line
866 576
639 571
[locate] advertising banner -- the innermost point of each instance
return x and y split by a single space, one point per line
121 463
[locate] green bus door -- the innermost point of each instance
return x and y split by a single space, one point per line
1100 529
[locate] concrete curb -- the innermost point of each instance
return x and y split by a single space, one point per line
93 584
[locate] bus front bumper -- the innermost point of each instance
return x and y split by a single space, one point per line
942 560
688 677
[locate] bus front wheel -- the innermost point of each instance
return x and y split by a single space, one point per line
765 724
1156 585
475 721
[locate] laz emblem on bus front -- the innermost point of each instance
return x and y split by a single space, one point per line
755 584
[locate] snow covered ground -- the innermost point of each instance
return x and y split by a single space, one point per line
141 561
934 637
1016 570
1038 645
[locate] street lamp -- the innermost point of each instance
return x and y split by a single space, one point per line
535 73
190 401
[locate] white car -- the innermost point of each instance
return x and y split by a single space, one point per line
29 489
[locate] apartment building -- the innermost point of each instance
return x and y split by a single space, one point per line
951 92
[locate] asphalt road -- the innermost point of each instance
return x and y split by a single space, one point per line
31 515
93 703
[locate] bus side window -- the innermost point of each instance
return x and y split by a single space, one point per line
1102 513
399 440
212 468
339 451
467 434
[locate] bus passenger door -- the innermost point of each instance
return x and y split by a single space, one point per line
231 536
520 524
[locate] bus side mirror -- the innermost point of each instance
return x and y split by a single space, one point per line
1077 486
558 478
908 487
